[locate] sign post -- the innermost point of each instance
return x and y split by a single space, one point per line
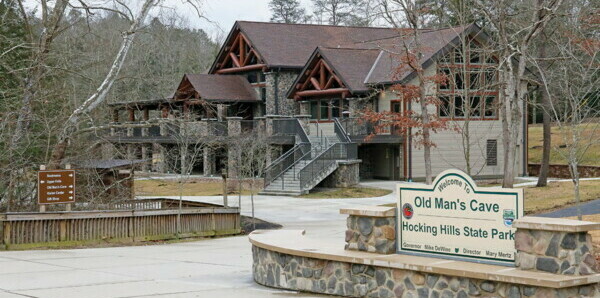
56 187
453 218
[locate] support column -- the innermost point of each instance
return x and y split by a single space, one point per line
131 151
221 112
233 158
234 126
209 161
159 153
304 107
183 155
146 151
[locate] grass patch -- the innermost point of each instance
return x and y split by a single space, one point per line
347 193
193 187
555 195
535 138
558 194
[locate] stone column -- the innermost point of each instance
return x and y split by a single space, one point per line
146 150
269 124
221 112
159 154
304 107
371 229
261 125
305 121
555 245
347 174
131 149
209 161
234 126
233 157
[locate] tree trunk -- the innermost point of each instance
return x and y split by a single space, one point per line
58 153
547 133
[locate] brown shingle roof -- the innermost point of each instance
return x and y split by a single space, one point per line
388 67
220 87
290 45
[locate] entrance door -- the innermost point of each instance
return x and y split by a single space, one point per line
397 163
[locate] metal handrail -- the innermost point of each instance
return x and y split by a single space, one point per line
340 131
282 164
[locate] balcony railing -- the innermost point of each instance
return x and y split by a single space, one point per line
362 127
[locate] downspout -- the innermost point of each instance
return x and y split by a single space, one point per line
409 148
524 149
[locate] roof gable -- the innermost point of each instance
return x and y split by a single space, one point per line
215 88
335 69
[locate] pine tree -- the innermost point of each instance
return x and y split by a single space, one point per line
287 11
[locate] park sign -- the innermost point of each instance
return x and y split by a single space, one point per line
453 218
56 186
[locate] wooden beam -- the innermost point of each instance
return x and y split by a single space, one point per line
322 75
315 83
242 50
235 60
322 92
238 69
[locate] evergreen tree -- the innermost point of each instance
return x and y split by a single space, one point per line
287 11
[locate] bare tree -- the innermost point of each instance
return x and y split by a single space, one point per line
514 26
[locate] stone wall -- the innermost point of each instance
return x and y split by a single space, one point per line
562 171
277 103
554 252
346 175
372 234
285 271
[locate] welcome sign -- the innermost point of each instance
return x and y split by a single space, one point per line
454 218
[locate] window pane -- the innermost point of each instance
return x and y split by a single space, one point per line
474 80
444 108
263 93
396 107
252 77
459 109
314 109
490 107
446 72
490 78
458 56
335 108
475 106
324 110
458 80
446 58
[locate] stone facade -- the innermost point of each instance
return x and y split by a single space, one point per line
285 271
346 175
372 234
278 83
555 252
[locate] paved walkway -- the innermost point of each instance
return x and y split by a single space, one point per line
219 267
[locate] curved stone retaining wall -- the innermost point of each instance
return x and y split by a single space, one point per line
280 270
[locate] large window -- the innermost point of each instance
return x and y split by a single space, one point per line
327 109
470 90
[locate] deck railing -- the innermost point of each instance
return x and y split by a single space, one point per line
58 229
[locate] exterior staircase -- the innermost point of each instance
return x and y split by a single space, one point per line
304 166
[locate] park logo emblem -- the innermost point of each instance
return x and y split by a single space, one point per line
509 217
407 211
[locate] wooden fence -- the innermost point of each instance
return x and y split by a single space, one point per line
61 229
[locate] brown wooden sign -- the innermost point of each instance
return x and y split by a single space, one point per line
56 186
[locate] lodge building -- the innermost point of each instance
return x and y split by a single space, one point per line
303 88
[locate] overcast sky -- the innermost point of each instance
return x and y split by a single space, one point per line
223 13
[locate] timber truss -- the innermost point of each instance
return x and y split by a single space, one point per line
320 80
239 56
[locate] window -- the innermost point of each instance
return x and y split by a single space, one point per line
448 74
314 112
263 93
397 107
490 107
323 109
491 150
444 108
459 80
471 88
475 106
459 109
